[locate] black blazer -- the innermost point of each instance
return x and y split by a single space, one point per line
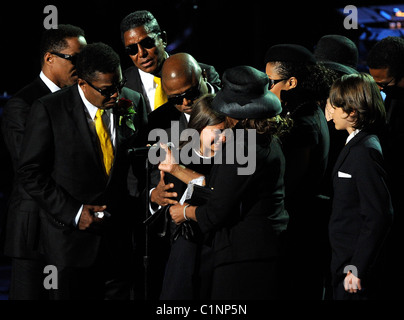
361 210
61 169
22 230
134 81
246 212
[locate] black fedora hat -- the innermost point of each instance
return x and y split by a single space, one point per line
245 95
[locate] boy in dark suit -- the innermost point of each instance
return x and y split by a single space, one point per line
361 211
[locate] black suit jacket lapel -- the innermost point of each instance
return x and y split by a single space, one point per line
76 109
41 87
345 151
133 79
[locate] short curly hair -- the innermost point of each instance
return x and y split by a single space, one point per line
96 57
388 53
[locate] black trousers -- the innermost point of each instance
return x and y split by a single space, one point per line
108 278
250 280
27 276
188 272
90 284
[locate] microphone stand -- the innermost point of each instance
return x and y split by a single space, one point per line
146 257
142 152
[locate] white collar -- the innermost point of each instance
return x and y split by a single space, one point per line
147 79
52 87
92 109
353 134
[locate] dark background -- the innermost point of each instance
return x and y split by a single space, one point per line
222 33
218 32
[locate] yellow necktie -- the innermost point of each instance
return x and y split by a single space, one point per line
105 141
160 96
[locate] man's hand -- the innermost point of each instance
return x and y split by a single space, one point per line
87 216
352 283
160 195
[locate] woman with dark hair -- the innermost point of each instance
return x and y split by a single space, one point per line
362 211
245 213
302 86
188 269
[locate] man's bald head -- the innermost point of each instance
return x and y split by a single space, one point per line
179 74
180 65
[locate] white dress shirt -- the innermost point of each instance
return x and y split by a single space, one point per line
52 87
149 87
353 134
92 110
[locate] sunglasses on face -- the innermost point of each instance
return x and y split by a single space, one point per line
384 85
69 57
192 94
109 91
273 82
147 43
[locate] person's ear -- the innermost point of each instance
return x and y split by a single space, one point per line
82 84
292 81
48 58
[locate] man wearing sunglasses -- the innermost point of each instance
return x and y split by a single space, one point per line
386 65
184 82
58 47
74 164
145 44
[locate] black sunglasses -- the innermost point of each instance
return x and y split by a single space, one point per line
69 57
192 94
146 43
273 82
109 91
384 85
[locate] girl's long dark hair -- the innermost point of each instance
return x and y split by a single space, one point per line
202 115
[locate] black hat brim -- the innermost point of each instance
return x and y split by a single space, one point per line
341 68
260 107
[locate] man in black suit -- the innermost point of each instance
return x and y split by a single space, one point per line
145 44
387 69
58 49
74 164
184 82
